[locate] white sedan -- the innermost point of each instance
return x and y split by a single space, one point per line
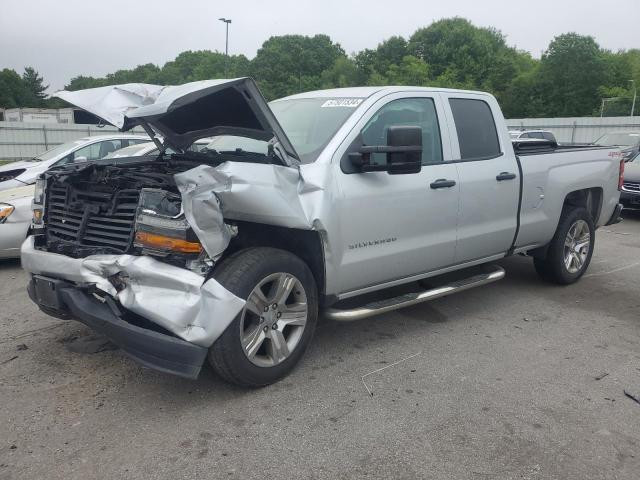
15 219
150 149
16 174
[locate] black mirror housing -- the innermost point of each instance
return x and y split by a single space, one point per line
403 151
406 154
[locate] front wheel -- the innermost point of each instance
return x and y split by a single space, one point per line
570 250
269 336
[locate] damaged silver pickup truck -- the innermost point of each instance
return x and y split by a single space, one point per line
308 204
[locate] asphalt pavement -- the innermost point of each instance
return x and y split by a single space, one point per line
515 380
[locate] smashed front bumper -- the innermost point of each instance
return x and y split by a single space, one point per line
191 311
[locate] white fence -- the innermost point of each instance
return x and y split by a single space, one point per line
19 140
577 129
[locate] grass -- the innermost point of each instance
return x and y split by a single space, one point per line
2 162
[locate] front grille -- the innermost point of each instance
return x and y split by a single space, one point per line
89 218
631 186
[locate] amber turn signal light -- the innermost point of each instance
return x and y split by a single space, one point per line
161 242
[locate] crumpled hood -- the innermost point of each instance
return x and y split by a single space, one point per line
184 113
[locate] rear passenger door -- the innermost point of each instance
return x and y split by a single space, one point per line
488 175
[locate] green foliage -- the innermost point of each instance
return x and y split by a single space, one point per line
33 83
461 55
293 63
570 79
571 71
13 91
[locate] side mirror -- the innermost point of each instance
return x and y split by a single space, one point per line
407 156
403 152
79 159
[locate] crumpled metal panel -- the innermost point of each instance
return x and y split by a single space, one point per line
175 298
202 208
261 193
113 102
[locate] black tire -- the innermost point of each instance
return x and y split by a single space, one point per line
553 268
240 274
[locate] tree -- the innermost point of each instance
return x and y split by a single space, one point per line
343 73
390 52
461 55
409 71
293 63
33 83
571 71
13 92
570 79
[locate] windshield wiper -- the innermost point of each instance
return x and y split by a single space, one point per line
239 151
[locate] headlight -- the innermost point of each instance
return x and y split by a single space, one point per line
38 194
5 211
37 205
161 225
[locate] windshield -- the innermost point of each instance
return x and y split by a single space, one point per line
132 150
619 139
514 134
309 123
56 151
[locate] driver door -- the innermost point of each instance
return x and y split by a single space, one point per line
397 226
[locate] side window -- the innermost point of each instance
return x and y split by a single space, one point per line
477 133
419 112
90 152
536 135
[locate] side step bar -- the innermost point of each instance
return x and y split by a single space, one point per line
387 305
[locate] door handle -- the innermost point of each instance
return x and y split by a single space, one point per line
505 176
442 183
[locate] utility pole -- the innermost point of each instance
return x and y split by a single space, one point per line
635 94
227 21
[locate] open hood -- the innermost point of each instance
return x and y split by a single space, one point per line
185 113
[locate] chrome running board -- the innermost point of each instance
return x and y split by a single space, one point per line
406 300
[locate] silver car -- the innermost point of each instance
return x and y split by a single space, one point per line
18 174
15 218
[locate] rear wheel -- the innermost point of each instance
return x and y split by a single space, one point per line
269 336
569 252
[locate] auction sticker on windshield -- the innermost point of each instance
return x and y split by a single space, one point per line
342 102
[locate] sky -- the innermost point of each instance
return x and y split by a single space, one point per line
65 38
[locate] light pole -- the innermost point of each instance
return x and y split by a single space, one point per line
635 94
227 21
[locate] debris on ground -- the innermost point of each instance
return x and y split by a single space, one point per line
601 376
633 396
22 347
91 345
11 359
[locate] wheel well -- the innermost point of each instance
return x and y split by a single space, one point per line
306 244
589 198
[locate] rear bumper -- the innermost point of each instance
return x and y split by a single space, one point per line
630 199
152 349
